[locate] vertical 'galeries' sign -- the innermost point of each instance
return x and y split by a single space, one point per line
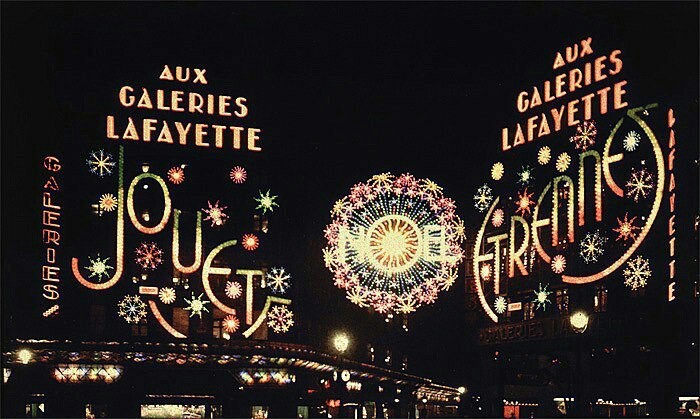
150 251
579 187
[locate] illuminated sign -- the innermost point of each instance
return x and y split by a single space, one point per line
147 224
51 234
394 243
671 207
179 101
581 206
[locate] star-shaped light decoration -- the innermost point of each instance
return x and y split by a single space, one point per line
544 155
483 198
637 272
563 162
500 305
266 202
497 218
167 295
215 214
233 289
626 230
108 202
250 242
98 267
278 280
542 297
497 171
238 175
585 135
525 175
196 305
631 141
524 202
231 323
101 163
176 175
558 264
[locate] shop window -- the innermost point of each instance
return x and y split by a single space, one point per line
181 319
600 300
260 223
528 310
35 410
259 412
97 319
217 329
563 301
140 329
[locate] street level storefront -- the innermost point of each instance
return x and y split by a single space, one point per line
238 379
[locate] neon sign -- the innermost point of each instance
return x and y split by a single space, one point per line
585 213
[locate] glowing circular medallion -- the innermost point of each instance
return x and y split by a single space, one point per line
394 243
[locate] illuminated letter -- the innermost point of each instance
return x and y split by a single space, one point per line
582 188
207 270
120 238
515 255
197 244
130 204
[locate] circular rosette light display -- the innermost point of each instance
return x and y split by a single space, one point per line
394 243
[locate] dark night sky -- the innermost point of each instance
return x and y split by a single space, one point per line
341 91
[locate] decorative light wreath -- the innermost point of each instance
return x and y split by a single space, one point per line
394 243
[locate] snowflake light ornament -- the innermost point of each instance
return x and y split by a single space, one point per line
233 289
132 309
100 163
483 198
167 295
176 175
558 264
149 256
500 305
631 141
525 175
231 323
278 280
637 272
238 175
497 171
524 202
196 305
280 319
497 218
98 267
108 202
591 247
542 297
640 184
563 162
250 242
266 202
544 155
585 135
626 230
215 214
